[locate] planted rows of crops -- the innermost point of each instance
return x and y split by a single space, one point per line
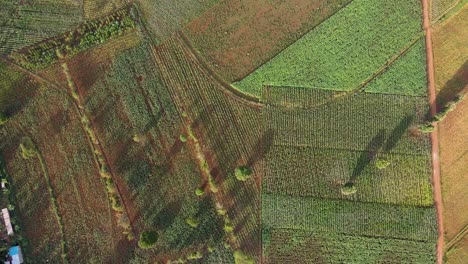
440 7
352 122
26 23
348 217
287 245
227 128
304 171
366 35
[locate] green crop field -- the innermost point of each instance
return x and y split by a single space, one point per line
225 131
406 76
23 24
287 245
366 35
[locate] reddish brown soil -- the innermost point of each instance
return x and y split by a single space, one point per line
237 36
434 136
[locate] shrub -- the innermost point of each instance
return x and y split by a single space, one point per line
3 118
115 202
241 258
348 189
228 227
243 173
183 138
426 127
148 239
136 138
382 164
199 192
28 149
192 221
195 255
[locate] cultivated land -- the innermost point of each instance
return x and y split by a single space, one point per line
237 36
451 79
351 55
123 141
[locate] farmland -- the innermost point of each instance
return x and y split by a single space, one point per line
237 36
348 57
27 23
165 17
232 131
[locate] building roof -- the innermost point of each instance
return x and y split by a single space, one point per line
6 218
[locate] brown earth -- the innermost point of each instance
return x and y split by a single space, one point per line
238 36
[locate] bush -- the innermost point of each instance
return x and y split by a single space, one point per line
148 239
192 221
3 118
241 258
28 149
348 189
426 128
382 164
183 138
199 192
195 255
243 173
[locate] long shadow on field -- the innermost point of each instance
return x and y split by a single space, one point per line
167 215
367 156
262 147
454 86
397 133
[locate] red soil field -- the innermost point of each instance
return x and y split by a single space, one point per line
238 36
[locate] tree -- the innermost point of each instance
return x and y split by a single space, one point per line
426 127
3 118
148 239
241 258
243 173
382 164
183 138
192 221
199 192
348 189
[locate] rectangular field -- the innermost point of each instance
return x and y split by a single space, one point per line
366 35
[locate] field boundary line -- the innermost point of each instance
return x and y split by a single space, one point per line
436 183
459 236
302 36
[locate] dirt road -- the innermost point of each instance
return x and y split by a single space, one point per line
434 135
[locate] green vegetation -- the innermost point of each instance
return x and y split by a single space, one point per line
243 173
382 164
348 189
148 239
86 36
299 246
28 149
199 192
349 217
366 35
406 76
195 255
192 221
183 138
241 258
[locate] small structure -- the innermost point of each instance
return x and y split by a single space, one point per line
6 220
3 185
14 256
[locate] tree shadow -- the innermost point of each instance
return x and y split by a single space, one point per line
397 133
368 155
453 87
261 147
167 215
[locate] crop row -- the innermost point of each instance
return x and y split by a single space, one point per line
353 122
304 171
349 217
366 35
287 245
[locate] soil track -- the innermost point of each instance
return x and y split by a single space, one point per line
434 135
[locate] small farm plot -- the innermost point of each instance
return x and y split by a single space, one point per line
349 217
229 130
93 9
237 36
139 129
48 137
23 23
405 76
451 56
287 245
165 17
440 7
367 34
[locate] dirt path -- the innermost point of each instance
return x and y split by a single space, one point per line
434 135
